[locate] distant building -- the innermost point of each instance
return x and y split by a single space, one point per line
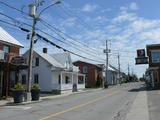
112 76
95 73
153 72
9 68
55 73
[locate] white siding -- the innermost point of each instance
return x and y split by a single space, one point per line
44 73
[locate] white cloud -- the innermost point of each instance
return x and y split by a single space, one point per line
124 16
133 6
70 22
89 7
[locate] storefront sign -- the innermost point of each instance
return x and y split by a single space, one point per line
143 60
140 53
18 60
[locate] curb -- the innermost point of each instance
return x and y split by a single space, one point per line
49 98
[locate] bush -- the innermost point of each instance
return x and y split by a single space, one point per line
35 86
18 86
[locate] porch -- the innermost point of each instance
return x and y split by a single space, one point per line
71 81
9 75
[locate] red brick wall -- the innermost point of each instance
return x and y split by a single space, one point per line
92 72
14 50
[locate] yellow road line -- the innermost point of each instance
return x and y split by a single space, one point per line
75 107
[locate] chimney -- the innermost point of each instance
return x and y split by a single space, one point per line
44 50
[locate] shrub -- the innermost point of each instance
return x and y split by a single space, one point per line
35 86
18 86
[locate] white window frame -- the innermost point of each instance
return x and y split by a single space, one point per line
85 69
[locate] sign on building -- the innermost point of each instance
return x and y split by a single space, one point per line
141 58
18 60
140 53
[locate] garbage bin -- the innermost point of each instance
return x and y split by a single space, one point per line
74 88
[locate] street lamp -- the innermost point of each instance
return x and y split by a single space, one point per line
32 13
58 2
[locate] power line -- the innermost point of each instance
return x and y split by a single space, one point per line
54 29
73 44
26 30
74 39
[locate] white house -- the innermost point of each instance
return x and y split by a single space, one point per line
112 76
54 73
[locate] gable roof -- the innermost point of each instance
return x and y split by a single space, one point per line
6 37
62 58
97 65
110 67
49 59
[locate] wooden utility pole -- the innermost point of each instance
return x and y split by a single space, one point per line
107 58
119 69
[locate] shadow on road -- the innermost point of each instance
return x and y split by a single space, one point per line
142 88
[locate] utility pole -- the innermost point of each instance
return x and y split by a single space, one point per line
33 13
107 58
31 55
128 69
128 72
119 69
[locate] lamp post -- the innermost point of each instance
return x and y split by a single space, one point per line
33 13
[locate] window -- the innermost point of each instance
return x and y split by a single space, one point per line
67 80
24 79
80 81
37 61
59 79
36 78
155 56
85 69
6 49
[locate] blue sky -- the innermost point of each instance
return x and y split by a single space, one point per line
127 24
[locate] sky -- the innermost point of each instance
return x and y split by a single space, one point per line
127 25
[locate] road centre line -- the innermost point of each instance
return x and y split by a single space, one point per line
76 107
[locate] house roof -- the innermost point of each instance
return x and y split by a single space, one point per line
97 65
110 67
50 59
6 37
62 57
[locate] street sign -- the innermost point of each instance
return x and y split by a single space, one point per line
141 60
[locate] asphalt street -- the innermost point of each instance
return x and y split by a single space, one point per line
106 104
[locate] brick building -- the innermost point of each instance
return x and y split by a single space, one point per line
93 72
153 52
9 50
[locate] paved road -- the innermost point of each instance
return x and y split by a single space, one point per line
108 104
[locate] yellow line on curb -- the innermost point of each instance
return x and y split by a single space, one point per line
75 107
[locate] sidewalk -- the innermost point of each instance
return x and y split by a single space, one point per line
139 109
154 104
47 97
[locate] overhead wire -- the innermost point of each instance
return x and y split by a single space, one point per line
56 30
73 44
46 34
